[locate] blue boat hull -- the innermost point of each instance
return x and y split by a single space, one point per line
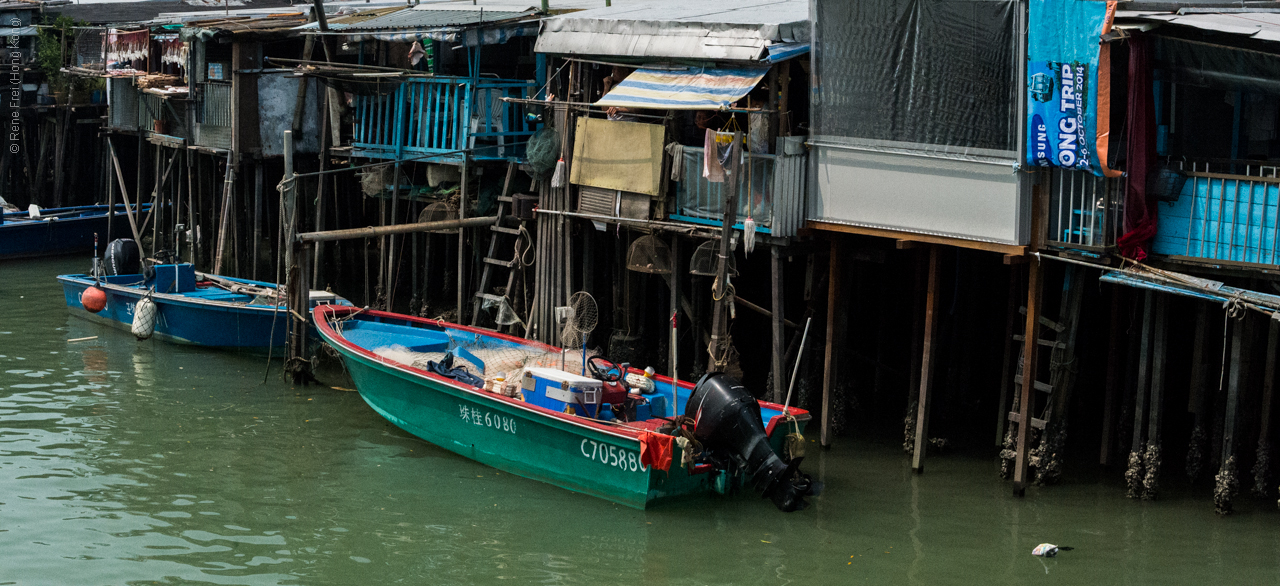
21 237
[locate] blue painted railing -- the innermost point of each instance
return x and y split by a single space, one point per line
431 115
1223 217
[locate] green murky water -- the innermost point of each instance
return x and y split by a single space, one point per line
139 462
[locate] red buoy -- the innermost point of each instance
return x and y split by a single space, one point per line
93 299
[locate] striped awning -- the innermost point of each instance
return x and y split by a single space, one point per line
688 89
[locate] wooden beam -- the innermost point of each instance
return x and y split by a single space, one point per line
920 238
1013 259
907 244
835 306
1030 351
777 319
926 364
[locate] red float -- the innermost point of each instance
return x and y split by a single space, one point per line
93 299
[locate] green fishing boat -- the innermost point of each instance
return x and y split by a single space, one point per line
523 407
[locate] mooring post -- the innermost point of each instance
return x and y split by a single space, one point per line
1151 459
778 310
927 359
1114 362
834 306
1030 351
1133 472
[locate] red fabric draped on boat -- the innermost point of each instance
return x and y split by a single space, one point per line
655 450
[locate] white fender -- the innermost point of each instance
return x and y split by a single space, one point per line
144 318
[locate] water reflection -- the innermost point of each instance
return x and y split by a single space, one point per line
125 461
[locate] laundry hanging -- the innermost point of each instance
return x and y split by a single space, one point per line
123 48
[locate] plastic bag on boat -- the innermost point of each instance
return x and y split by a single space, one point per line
446 369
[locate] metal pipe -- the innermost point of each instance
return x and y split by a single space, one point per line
786 405
371 231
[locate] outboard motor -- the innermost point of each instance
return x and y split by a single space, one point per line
727 420
123 257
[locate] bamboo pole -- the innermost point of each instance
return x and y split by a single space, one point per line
376 231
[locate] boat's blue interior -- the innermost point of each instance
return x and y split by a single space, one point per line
371 332
24 216
181 279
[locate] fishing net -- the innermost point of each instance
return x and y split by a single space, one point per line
705 260
650 255
543 151
438 212
505 361
503 313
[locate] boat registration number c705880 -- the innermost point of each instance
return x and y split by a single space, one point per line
608 455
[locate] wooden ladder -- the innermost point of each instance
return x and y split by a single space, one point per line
491 263
1056 354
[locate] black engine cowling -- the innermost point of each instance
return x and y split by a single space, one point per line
122 257
727 420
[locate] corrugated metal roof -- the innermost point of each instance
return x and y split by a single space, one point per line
1264 26
415 19
736 30
343 21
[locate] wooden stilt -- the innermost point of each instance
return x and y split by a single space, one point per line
224 228
835 306
462 241
191 207
926 363
257 215
1196 400
1133 474
1007 370
318 252
1115 361
1226 481
1262 485
1151 459
1030 351
778 316
111 195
